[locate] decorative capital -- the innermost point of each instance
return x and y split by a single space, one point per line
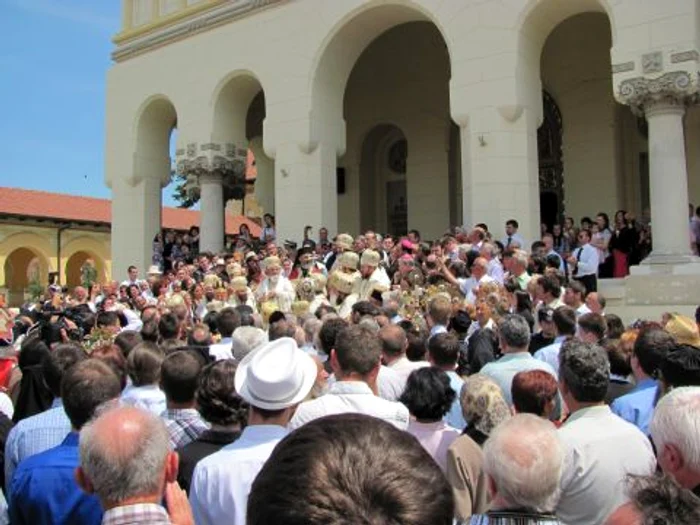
212 158
674 88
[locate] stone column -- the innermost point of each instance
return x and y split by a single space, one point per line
305 190
215 173
668 181
663 102
212 223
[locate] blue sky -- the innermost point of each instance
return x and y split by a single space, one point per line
54 55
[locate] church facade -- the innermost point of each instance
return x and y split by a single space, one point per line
401 114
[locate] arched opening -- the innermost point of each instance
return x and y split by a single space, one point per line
74 268
239 113
399 175
24 270
383 200
584 165
137 205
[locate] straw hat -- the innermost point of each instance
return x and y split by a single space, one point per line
684 330
154 270
276 376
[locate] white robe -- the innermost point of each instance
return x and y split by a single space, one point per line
285 293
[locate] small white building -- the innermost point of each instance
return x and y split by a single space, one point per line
396 114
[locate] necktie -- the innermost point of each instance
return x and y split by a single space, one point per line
510 239
578 259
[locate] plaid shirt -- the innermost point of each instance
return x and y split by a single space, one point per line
138 513
184 426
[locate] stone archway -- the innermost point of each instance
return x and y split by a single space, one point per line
74 265
402 78
24 268
137 198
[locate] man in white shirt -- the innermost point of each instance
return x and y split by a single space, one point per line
133 272
584 262
273 380
512 239
601 449
227 320
394 345
355 360
469 286
574 294
494 269
565 322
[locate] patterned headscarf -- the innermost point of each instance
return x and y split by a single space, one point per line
483 405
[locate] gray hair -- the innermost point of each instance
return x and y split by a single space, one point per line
311 328
659 499
245 339
370 324
524 458
122 463
676 421
521 257
585 370
514 331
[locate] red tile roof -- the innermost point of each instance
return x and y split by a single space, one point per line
46 205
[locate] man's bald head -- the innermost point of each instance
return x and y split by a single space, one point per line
125 454
394 342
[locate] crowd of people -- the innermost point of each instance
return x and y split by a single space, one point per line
367 380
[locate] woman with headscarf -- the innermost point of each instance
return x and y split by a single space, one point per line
34 396
483 407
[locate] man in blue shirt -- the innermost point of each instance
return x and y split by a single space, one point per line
43 487
47 429
514 338
637 406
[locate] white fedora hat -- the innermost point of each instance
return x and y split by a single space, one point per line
276 376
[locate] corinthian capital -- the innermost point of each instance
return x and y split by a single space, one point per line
673 88
224 160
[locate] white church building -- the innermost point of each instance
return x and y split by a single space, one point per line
401 114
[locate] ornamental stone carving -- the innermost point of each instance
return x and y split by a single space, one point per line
674 88
213 159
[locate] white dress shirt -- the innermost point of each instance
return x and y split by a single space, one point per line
467 286
351 397
148 397
587 260
221 482
389 384
550 354
222 349
403 367
494 270
516 237
600 450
